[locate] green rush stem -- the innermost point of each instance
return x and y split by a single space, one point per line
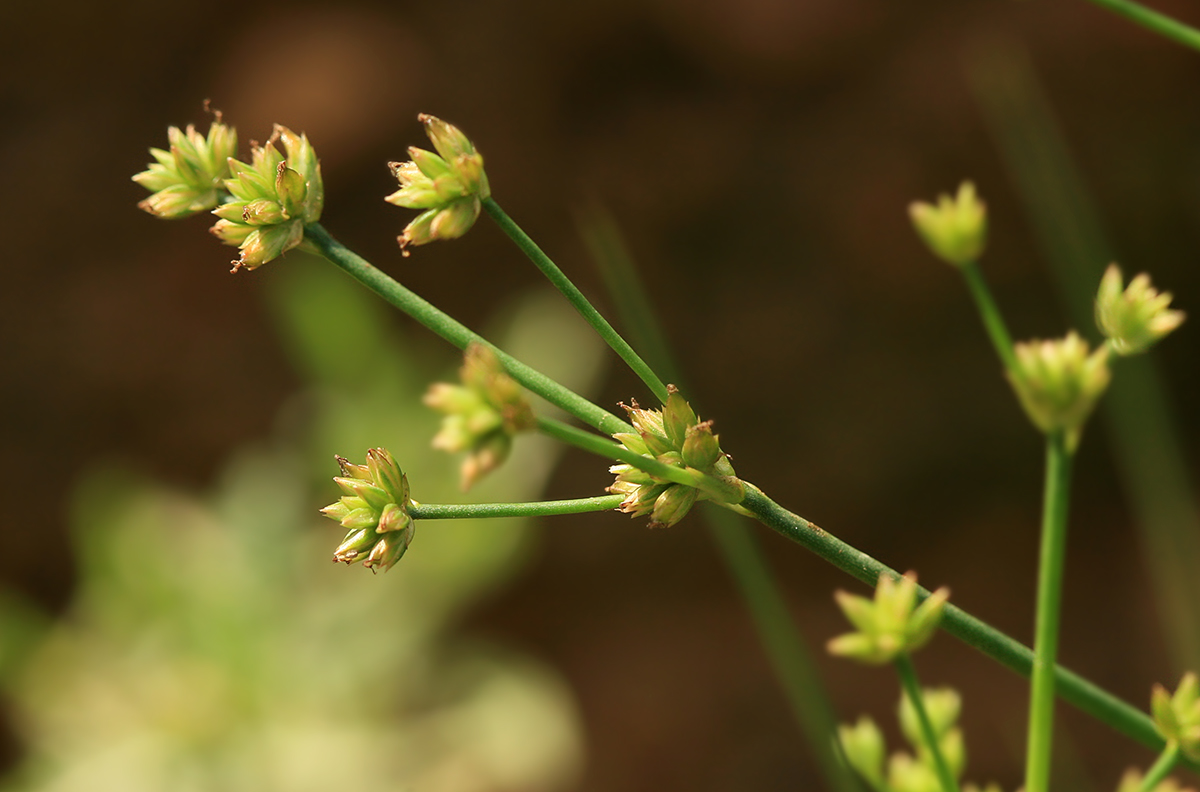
462 511
456 333
1165 763
908 680
1074 689
602 446
989 312
1049 605
1152 20
576 298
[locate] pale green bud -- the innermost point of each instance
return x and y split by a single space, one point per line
186 179
1134 318
907 774
374 509
890 624
672 506
449 185
1131 781
1177 717
1058 383
942 705
701 448
956 229
864 749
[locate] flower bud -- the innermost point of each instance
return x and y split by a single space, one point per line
1134 318
1058 383
956 229
864 749
1177 717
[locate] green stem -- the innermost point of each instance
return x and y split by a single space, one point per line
908 679
463 511
1098 703
576 298
1152 20
989 312
455 332
1049 606
1164 765
602 446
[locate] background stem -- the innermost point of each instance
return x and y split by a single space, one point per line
1049 606
912 688
1166 761
1152 20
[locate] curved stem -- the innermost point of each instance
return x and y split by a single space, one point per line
576 298
1049 606
989 312
1152 20
1098 703
455 332
462 511
908 680
1166 761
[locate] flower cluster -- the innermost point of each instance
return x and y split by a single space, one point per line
448 186
1177 717
186 178
374 509
1133 318
274 197
890 625
1058 383
675 436
483 414
864 748
956 229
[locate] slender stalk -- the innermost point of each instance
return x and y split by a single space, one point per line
989 312
1165 763
1152 20
576 298
1072 688
462 511
908 679
1049 606
456 333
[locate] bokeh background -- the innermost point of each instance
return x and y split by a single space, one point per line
757 157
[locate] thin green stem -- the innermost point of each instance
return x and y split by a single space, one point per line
1152 20
1049 607
912 688
1165 763
989 312
602 446
576 298
455 332
464 511
1072 688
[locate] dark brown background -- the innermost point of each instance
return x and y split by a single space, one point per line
758 155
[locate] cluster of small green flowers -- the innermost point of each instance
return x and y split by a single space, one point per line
1134 318
865 749
263 206
374 509
449 186
482 415
889 625
1059 381
1177 717
675 436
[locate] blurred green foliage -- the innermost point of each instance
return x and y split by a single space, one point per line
211 645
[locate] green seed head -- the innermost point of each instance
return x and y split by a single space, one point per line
374 509
955 230
890 624
186 178
1133 318
1059 382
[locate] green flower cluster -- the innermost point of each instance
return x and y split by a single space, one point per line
1177 717
483 415
675 436
891 624
865 750
956 229
1133 318
186 178
375 509
1058 383
274 197
448 186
